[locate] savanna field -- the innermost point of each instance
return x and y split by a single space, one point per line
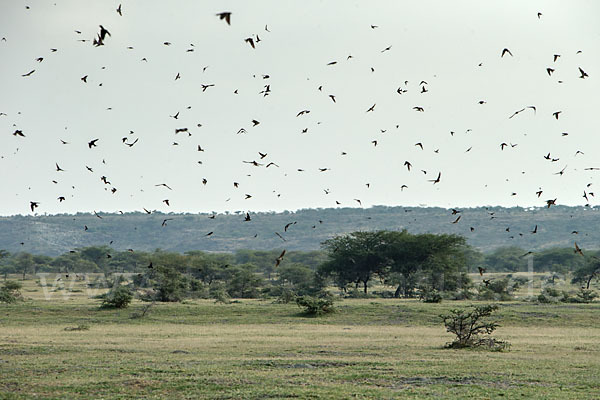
67 347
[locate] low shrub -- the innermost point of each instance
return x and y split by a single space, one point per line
468 325
10 292
429 295
118 297
316 305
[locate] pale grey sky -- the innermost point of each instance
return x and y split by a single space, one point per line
442 43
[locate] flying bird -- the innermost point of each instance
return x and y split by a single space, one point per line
436 180
92 143
99 41
119 10
164 184
505 51
226 15
279 259
583 73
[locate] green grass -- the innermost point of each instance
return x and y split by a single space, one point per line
380 348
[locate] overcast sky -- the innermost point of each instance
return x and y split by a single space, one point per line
455 47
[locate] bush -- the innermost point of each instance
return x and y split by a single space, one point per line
585 296
316 305
118 297
497 290
285 296
551 295
218 292
468 325
429 295
10 292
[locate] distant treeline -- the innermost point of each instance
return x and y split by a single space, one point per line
108 260
485 228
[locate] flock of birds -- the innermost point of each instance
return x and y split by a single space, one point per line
104 37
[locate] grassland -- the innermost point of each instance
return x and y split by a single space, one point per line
253 349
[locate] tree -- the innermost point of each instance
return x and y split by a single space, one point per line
244 282
355 257
125 261
469 324
5 268
296 275
72 262
10 292
559 260
208 267
96 255
438 260
23 262
506 259
300 280
589 271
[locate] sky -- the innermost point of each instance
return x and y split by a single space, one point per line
444 57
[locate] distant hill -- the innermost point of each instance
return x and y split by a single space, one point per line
493 227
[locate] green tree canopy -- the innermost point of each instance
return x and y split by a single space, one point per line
398 257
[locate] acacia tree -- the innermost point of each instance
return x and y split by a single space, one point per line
355 257
23 262
437 260
587 272
5 268
400 258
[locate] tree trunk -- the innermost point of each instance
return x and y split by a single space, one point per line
397 292
365 286
589 281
